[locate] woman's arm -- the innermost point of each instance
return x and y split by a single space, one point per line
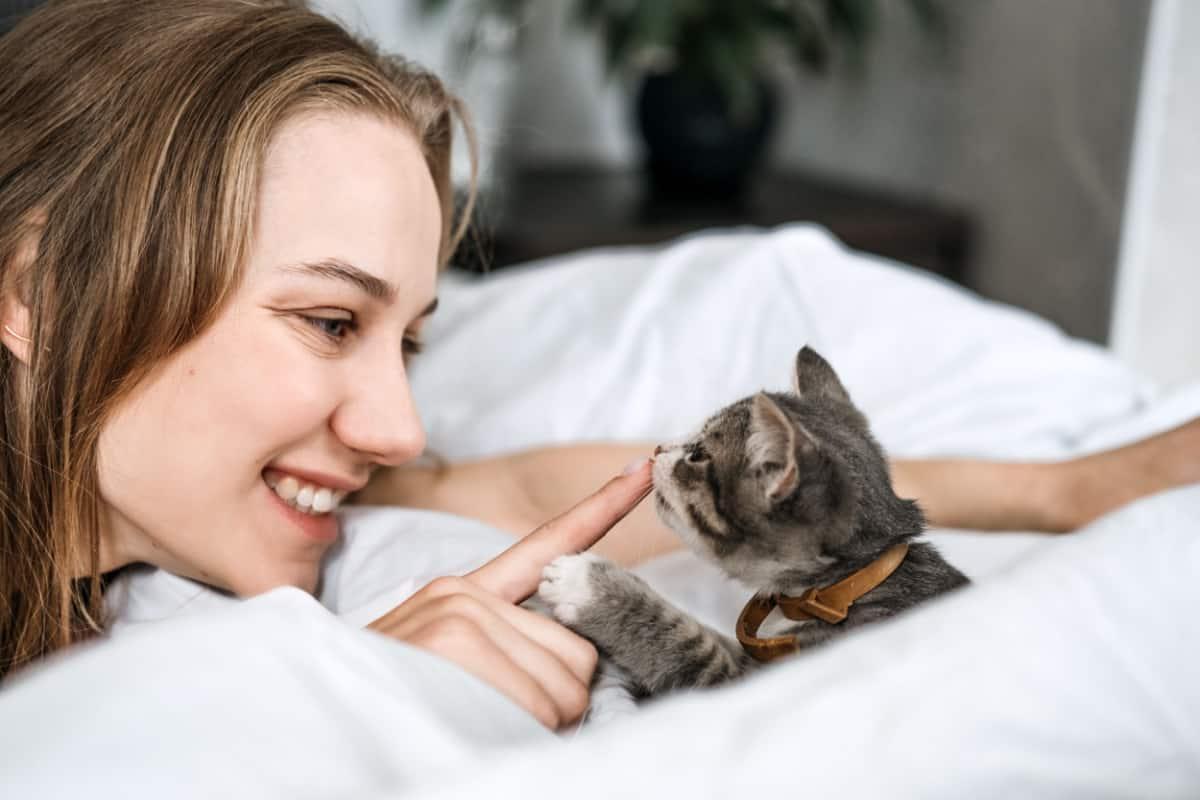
520 491
1049 496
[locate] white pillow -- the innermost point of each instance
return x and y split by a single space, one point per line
644 344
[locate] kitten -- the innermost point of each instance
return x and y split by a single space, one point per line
784 492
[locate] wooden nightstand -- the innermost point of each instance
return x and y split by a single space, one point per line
548 211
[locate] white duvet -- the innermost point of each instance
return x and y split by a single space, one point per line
1066 670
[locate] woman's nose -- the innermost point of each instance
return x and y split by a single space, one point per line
380 420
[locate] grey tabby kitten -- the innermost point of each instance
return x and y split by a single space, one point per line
784 492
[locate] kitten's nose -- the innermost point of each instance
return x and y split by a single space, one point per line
659 449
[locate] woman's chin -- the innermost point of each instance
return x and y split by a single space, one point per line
302 576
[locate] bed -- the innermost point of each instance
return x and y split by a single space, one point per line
1067 669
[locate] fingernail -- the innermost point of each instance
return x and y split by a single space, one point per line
634 466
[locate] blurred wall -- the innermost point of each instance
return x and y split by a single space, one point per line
1028 125
1156 324
1026 122
13 10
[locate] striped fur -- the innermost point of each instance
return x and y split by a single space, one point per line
783 492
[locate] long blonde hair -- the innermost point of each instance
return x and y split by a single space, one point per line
132 134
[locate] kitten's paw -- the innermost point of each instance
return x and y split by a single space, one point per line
567 585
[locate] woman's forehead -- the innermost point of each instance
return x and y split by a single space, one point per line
350 188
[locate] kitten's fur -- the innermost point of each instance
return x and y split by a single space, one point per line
782 491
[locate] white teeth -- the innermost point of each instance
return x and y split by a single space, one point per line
287 488
305 497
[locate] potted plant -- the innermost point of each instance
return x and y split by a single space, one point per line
706 103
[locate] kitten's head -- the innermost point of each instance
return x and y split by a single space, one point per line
778 488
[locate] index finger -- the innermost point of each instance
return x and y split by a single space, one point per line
515 573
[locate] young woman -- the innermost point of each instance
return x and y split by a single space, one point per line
221 223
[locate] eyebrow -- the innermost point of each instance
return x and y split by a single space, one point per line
348 273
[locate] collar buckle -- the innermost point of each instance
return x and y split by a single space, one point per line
809 605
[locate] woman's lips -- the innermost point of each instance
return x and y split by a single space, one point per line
319 527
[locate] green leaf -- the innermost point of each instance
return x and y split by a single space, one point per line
619 38
808 37
735 77
853 20
433 7
726 38
656 23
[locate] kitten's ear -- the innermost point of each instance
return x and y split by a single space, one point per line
814 377
774 440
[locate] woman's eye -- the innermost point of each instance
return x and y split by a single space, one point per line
334 328
412 346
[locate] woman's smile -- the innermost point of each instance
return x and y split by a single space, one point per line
321 526
306 492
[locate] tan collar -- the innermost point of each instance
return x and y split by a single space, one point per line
830 604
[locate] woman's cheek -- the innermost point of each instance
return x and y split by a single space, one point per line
285 385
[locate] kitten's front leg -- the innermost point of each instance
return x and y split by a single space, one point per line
657 644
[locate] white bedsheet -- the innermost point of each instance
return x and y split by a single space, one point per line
1067 670
1071 674
1074 676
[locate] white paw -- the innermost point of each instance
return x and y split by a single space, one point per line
566 585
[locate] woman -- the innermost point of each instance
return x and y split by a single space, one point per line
221 223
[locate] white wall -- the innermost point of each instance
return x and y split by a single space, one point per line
487 86
1156 323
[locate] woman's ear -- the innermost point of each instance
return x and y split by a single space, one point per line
15 319
15 327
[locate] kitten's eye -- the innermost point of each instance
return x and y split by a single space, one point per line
766 468
697 455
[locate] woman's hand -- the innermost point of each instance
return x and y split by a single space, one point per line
516 491
474 620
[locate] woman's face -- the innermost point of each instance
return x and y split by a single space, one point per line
300 383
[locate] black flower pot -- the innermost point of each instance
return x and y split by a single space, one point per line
694 140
